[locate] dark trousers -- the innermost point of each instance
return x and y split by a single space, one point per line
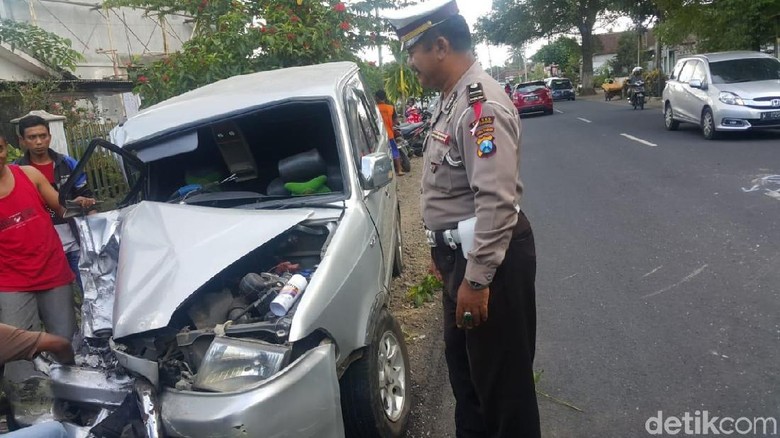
491 366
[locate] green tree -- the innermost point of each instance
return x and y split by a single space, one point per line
625 59
516 22
372 75
400 80
236 37
565 52
720 24
49 48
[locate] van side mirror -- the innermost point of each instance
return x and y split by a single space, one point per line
376 170
696 83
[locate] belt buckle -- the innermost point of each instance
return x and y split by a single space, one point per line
447 234
430 236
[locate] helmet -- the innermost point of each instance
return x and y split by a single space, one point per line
636 71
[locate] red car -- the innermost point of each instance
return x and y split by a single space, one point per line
533 97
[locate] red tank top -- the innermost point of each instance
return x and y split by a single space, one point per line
46 169
31 255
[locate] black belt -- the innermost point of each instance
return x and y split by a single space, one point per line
449 238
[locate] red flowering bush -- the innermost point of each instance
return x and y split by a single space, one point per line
230 39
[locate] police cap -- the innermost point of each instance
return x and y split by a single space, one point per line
411 23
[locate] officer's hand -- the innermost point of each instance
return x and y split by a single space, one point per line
433 270
473 301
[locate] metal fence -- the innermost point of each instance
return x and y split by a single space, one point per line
104 174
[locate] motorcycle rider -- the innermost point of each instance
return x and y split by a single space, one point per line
636 76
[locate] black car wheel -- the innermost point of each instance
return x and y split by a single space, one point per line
669 121
375 390
708 125
406 164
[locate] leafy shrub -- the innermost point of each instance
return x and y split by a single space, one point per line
423 292
652 85
14 153
598 80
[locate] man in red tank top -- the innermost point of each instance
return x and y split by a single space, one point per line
34 274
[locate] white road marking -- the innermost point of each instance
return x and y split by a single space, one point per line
644 142
766 183
686 279
584 120
559 111
653 271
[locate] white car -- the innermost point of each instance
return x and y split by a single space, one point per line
728 91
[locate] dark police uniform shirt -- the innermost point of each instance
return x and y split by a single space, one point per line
472 168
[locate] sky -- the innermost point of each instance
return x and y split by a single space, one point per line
495 55
488 55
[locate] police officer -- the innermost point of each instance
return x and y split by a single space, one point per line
482 245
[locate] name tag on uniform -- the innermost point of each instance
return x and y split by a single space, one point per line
440 137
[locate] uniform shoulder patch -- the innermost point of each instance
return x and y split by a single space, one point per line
483 121
486 146
476 93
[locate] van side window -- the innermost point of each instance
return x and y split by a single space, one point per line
677 69
687 71
363 129
699 73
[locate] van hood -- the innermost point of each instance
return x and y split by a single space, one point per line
168 251
752 90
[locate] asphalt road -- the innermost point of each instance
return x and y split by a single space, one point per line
658 284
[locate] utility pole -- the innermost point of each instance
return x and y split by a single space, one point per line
525 66
378 34
490 61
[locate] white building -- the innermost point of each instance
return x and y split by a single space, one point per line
107 38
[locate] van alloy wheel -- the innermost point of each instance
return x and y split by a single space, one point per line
375 391
669 121
708 125
392 376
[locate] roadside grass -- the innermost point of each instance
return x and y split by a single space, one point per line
424 291
537 378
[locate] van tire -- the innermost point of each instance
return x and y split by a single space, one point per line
362 402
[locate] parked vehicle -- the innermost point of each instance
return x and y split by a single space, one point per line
229 204
533 97
561 88
416 133
636 95
727 91
404 151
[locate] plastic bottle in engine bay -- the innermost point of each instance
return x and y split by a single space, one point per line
289 293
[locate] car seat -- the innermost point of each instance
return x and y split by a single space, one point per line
302 168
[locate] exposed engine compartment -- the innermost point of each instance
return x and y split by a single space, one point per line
233 305
235 302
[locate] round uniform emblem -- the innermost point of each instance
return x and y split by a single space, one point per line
486 147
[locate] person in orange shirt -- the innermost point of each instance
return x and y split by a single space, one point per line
390 118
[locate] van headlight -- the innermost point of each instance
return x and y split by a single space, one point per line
730 98
231 364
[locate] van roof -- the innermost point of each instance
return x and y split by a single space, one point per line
234 96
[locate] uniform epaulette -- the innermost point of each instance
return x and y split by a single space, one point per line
475 93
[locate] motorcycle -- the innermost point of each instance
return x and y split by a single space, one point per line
637 96
403 151
415 134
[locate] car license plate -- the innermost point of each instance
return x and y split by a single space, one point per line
772 115
531 98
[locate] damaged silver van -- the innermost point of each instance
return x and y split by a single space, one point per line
229 191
